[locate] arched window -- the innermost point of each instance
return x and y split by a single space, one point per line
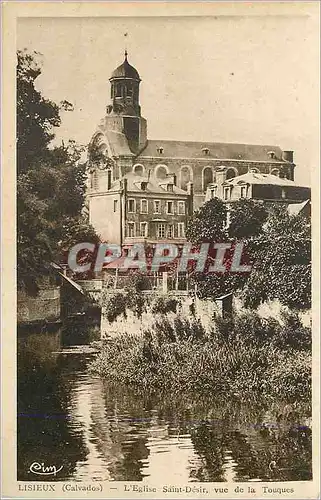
207 177
185 176
231 172
138 169
161 171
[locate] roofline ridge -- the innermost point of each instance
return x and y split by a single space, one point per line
216 142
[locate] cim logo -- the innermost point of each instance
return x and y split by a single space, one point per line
42 470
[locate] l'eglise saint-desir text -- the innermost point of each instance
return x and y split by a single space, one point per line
165 489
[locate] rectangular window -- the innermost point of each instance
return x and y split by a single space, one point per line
143 206
170 231
170 188
115 205
243 191
94 183
131 206
214 192
161 231
226 193
170 207
143 230
181 207
181 230
131 229
156 207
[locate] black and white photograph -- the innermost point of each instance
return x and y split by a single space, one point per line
165 169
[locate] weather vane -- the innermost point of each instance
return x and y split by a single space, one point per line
126 53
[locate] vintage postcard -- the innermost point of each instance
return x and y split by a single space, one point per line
160 207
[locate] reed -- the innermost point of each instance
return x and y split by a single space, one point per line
244 357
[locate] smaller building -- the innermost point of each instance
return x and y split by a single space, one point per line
256 186
141 209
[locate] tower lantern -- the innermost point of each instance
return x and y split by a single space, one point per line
125 82
124 114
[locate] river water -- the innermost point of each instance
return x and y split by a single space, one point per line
70 418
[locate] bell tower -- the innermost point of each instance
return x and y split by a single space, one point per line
124 114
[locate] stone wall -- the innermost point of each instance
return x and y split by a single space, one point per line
45 306
188 307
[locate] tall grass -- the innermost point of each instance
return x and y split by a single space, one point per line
244 357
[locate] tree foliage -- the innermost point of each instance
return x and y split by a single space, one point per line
276 243
51 180
246 219
208 223
282 268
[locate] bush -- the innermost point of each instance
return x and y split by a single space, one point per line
164 305
247 358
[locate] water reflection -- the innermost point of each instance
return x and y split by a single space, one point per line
97 432
44 396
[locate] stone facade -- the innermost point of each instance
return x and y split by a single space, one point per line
121 158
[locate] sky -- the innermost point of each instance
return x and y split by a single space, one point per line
214 78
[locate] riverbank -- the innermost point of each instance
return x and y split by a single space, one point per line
245 357
101 430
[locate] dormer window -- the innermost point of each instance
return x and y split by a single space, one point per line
170 188
271 154
144 186
227 193
205 151
160 150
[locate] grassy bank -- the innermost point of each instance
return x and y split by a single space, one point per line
245 358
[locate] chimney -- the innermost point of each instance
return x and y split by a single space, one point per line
220 175
287 156
172 178
124 185
190 192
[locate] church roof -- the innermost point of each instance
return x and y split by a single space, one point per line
118 143
258 178
211 150
125 70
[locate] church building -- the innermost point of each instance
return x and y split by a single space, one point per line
145 190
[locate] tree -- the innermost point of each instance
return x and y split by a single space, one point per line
246 219
208 223
282 267
278 246
51 180
36 116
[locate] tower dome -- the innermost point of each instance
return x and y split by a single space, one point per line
125 70
123 113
